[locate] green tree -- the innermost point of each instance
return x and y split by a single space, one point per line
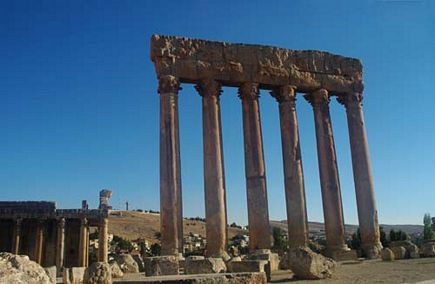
279 242
384 239
428 234
398 236
355 242
156 249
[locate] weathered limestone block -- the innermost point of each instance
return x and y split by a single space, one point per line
272 258
232 64
307 264
284 262
412 250
74 275
207 265
116 270
343 255
428 248
387 254
399 252
98 273
161 265
51 272
127 263
250 266
19 269
140 262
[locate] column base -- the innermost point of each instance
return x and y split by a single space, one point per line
161 265
372 251
266 254
250 266
341 253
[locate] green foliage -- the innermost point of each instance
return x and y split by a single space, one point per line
121 243
156 249
428 234
280 243
384 239
355 242
398 236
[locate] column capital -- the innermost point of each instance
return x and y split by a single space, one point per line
318 98
209 87
168 84
84 221
351 100
284 93
61 223
249 91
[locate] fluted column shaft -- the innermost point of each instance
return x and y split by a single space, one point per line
60 248
258 212
83 242
39 241
293 173
16 237
362 172
214 183
171 217
329 178
103 240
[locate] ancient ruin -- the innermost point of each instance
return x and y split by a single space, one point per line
319 76
51 236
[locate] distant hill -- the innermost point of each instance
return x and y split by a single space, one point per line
133 225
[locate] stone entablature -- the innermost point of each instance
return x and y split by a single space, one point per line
192 60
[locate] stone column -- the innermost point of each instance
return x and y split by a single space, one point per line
60 248
214 183
362 173
258 212
83 242
329 178
16 236
39 241
171 217
103 240
293 173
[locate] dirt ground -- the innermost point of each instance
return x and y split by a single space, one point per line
401 271
365 272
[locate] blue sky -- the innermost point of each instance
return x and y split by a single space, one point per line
79 108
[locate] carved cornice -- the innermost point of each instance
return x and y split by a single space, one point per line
318 98
168 84
351 100
284 93
249 91
209 87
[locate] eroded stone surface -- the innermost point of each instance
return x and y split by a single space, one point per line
19 269
233 64
98 273
399 252
412 250
116 270
161 265
307 264
204 266
387 254
250 266
127 263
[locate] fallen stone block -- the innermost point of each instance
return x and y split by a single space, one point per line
204 266
52 273
161 265
272 258
387 254
250 266
399 252
307 264
98 273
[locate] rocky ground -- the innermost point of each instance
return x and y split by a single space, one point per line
401 271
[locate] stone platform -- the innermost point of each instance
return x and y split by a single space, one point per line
230 278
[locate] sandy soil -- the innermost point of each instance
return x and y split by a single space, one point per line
401 271
366 272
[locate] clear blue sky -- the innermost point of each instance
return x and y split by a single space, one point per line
79 108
